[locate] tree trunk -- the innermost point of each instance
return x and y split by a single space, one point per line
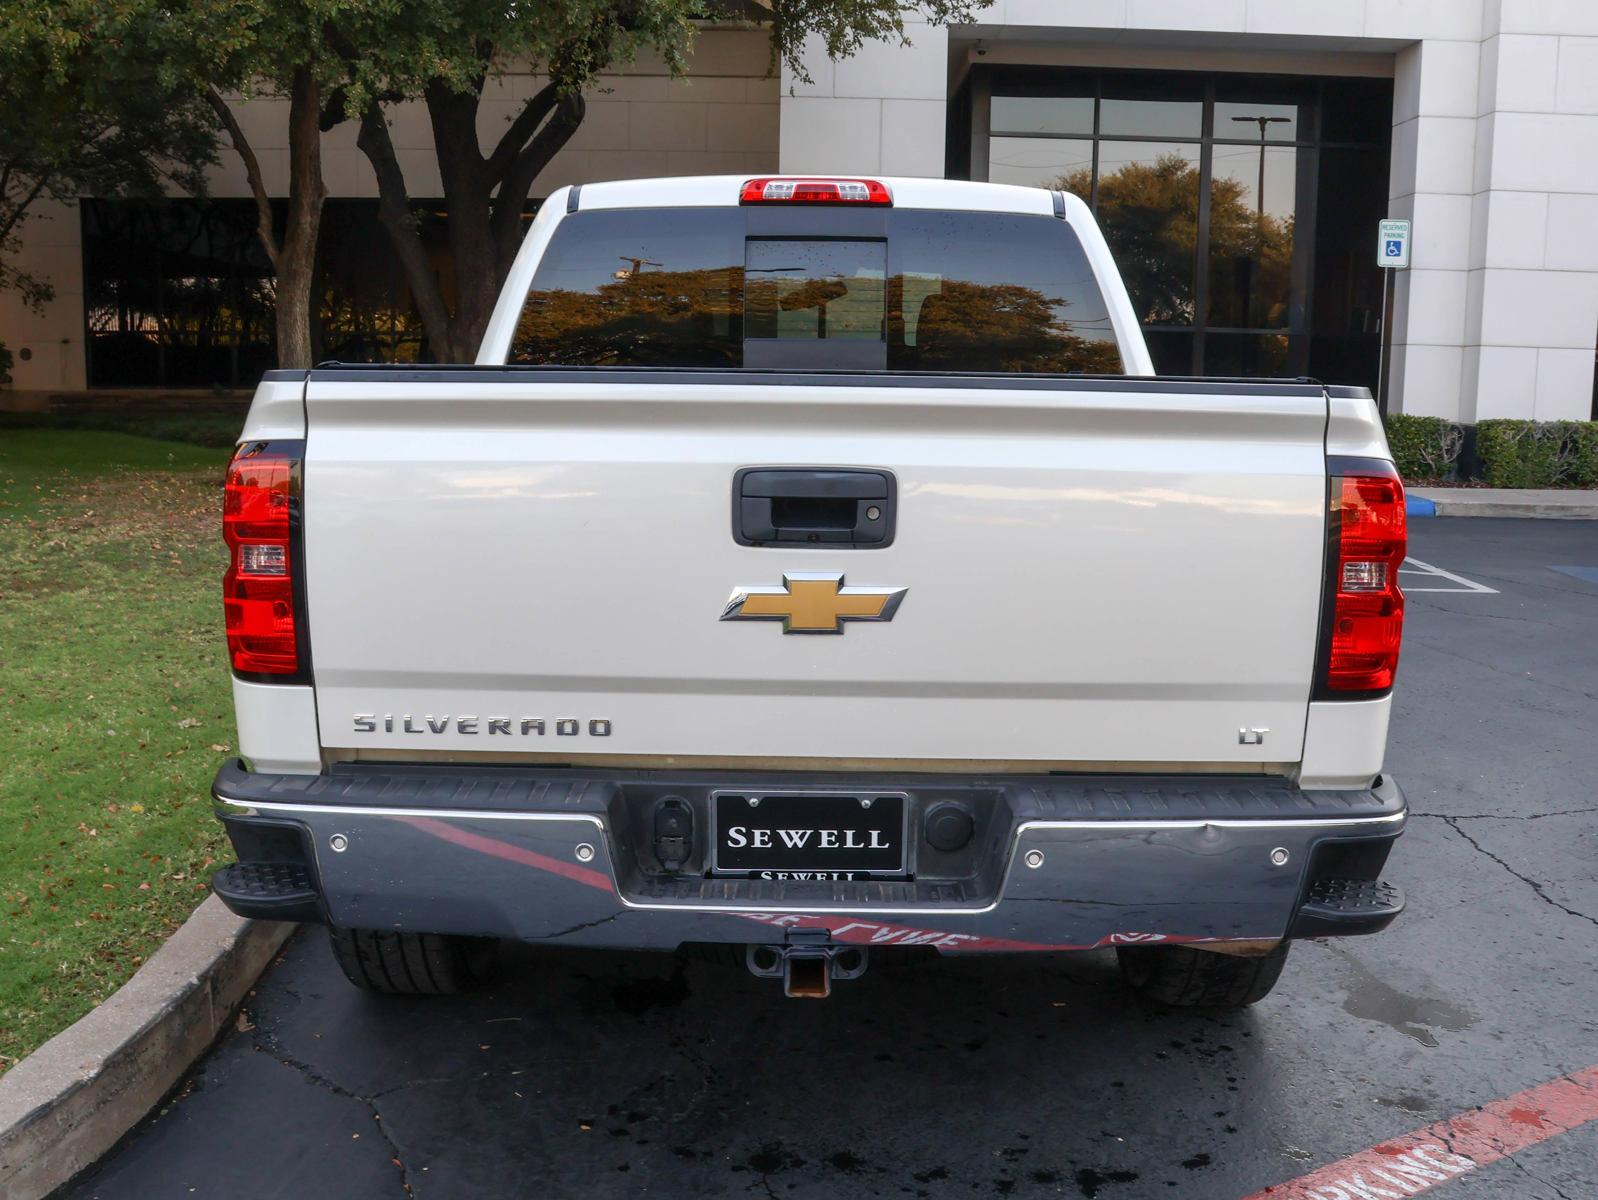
464 174
296 259
293 259
484 199
394 213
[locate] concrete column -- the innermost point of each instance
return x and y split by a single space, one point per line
1434 147
881 112
1532 310
52 247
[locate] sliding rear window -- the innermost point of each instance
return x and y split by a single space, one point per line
902 289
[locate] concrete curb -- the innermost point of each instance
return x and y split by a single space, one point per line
69 1101
1504 502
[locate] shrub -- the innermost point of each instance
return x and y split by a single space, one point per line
1578 452
1424 448
1533 454
5 364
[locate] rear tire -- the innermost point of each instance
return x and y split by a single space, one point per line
1182 977
412 964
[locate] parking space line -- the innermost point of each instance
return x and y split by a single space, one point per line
1414 566
1420 1160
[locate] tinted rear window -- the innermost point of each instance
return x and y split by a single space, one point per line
916 290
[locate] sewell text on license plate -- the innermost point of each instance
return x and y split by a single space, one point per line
807 835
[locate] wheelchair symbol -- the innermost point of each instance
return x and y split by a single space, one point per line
1395 248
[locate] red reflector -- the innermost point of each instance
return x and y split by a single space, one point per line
1367 618
800 190
258 589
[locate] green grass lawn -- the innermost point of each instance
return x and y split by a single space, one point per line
114 712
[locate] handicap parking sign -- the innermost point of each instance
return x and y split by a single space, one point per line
1392 246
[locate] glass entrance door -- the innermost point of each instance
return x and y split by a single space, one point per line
1209 189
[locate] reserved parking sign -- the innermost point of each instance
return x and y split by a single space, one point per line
1392 245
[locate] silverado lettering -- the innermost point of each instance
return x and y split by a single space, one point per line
529 726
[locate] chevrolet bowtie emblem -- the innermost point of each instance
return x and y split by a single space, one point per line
813 603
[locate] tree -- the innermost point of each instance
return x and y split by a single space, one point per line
86 110
337 60
276 48
127 100
444 52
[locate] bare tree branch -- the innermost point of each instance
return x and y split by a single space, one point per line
394 211
519 180
521 129
252 172
20 210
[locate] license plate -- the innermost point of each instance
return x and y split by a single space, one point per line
809 836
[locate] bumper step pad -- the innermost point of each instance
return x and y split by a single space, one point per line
1344 906
269 891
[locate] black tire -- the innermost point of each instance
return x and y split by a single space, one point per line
412 964
1182 977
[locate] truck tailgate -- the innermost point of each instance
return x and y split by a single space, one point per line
1095 572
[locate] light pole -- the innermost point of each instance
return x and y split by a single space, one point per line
1262 122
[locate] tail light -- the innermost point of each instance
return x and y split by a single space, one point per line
261 590
1362 622
800 190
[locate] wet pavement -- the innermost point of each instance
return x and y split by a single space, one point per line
616 1075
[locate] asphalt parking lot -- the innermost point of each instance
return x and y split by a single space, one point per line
608 1075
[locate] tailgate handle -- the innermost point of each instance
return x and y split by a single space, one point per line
820 507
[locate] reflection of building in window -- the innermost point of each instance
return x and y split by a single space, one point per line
915 287
815 289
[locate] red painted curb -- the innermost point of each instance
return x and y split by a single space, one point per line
1420 1160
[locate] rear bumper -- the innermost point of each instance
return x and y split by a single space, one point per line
1056 863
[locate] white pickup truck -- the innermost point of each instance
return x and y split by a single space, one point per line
812 566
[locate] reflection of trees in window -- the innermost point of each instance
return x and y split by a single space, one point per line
1149 214
1251 260
965 326
694 318
645 318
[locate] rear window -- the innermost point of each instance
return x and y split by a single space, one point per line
901 289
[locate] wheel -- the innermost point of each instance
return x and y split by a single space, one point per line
412 964
1183 977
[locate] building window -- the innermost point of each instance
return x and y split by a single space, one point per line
1209 190
180 294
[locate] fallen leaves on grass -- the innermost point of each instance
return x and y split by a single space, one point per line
112 633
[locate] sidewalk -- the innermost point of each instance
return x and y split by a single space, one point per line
1557 503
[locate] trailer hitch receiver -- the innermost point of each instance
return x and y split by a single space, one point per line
806 966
